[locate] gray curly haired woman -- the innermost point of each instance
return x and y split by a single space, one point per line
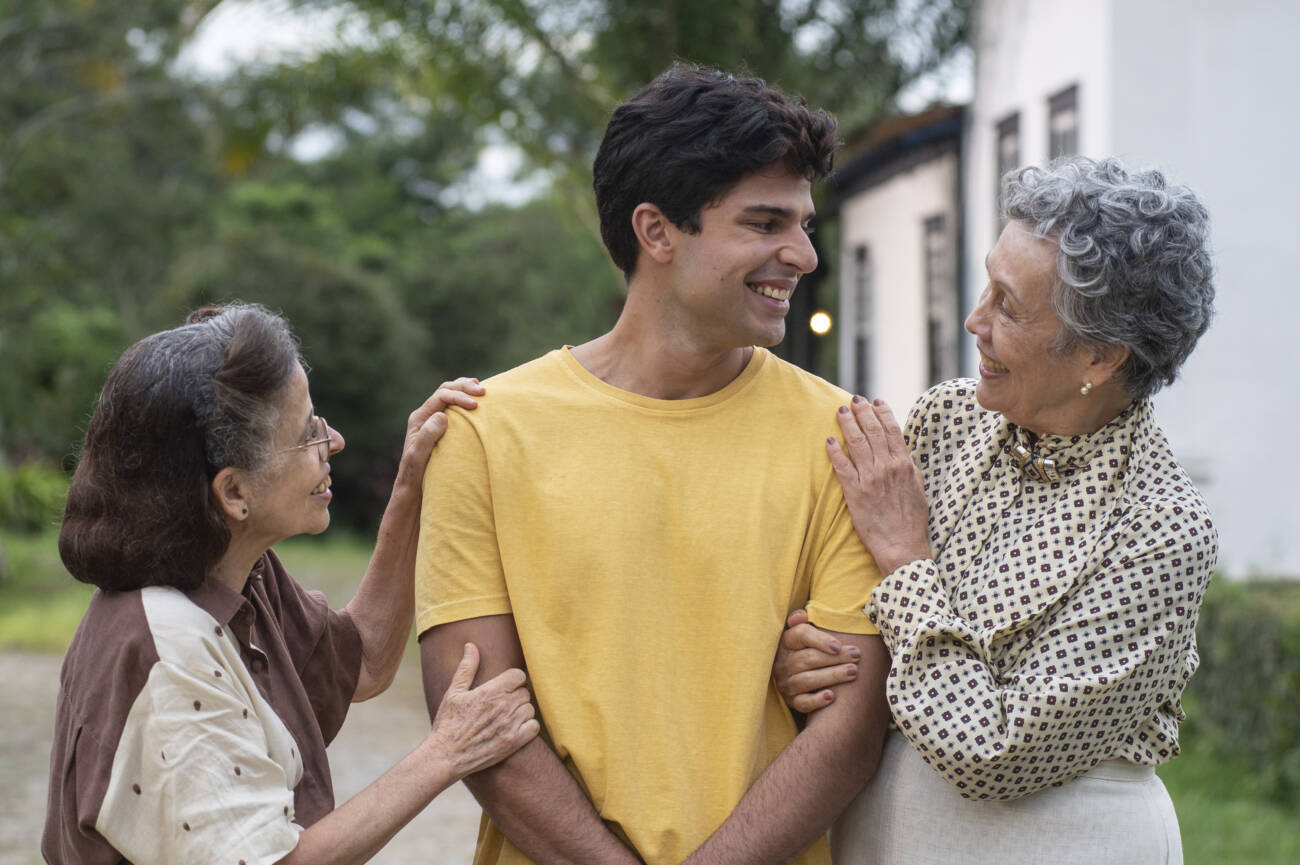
1045 556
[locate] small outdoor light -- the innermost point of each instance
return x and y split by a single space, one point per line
820 322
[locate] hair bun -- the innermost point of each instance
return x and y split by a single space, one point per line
204 313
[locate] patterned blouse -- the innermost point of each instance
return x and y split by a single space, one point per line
1055 626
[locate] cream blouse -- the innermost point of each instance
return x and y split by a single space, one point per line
1055 626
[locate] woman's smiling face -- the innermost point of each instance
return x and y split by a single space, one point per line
1021 375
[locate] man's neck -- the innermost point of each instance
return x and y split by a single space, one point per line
649 362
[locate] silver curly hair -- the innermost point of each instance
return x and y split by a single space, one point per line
1134 265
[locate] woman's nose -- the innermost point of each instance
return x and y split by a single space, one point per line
975 321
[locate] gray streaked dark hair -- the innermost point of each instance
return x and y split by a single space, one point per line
236 411
1134 267
177 407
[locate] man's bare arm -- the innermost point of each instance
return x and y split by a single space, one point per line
807 786
530 795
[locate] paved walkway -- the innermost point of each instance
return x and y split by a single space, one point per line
377 734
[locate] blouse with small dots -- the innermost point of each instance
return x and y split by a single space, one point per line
1054 626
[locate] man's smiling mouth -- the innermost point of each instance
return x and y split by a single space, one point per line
771 291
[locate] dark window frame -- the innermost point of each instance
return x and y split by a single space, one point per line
1004 159
942 300
863 318
1063 123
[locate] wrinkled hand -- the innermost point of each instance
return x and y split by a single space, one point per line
882 486
809 663
427 423
476 728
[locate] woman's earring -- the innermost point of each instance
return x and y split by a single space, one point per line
1087 386
244 511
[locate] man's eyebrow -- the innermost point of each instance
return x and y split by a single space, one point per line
775 210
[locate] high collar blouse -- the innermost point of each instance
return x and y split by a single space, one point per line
1054 626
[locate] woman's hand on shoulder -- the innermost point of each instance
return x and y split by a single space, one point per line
427 423
475 728
883 488
810 663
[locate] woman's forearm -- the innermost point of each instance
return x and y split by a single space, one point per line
357 830
384 605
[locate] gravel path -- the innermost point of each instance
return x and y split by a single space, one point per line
377 734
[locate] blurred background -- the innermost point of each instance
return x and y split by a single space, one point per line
408 181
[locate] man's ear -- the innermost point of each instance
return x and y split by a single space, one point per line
653 232
230 489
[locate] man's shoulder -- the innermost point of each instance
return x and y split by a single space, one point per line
544 369
798 386
540 384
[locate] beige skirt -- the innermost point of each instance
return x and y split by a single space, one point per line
1119 814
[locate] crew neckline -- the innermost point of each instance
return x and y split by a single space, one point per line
586 378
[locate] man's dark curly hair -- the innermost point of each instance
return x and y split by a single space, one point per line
688 137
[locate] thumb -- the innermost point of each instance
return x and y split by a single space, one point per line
465 670
798 617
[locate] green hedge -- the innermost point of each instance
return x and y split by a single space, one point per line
1244 701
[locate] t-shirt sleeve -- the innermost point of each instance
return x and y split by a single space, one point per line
323 643
843 572
458 568
192 780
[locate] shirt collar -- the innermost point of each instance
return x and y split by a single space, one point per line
219 600
1047 458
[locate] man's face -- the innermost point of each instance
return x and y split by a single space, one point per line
732 283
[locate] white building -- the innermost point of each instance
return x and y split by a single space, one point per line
898 201
1206 91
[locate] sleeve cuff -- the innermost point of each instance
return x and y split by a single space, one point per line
456 611
906 598
846 622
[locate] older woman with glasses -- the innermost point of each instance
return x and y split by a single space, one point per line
1045 554
203 684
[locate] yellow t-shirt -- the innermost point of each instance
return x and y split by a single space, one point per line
649 551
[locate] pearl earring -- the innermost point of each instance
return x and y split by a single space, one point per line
1087 386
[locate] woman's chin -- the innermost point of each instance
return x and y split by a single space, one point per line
986 393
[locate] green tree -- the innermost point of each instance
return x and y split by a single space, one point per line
102 176
547 74
129 193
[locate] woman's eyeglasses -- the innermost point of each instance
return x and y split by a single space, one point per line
320 435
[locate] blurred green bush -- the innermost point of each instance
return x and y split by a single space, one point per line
31 496
1246 694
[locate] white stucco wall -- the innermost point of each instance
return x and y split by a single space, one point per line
1026 51
1206 91
889 218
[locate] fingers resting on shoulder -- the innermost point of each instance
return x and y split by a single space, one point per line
426 425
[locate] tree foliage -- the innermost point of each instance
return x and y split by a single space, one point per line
130 192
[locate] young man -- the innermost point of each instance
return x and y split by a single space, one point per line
633 518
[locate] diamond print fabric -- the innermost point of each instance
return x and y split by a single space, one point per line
1055 626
